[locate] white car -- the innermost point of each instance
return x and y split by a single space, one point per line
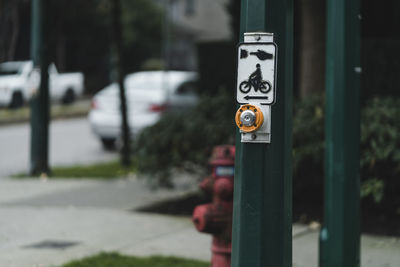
14 77
16 84
148 95
65 87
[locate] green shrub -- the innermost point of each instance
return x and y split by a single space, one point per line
308 145
179 141
379 147
186 140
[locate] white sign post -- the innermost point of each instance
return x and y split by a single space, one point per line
34 82
256 73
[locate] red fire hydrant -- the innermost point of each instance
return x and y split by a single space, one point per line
216 218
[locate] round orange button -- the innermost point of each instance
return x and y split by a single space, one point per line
249 118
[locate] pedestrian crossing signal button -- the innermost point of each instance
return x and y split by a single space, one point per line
249 118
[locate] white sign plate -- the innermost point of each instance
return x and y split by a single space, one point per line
34 82
256 73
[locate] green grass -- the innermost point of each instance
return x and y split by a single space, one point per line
14 115
116 260
106 170
22 114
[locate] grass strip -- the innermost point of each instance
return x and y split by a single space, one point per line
20 115
107 170
115 259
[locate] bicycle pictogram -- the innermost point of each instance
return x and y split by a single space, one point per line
255 81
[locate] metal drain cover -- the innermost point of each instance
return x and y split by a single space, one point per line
53 244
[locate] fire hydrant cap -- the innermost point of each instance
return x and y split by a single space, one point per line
223 155
199 218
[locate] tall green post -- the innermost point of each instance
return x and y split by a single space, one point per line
40 91
118 67
340 235
262 219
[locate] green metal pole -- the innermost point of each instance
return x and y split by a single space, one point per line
40 96
340 235
262 219
166 28
120 76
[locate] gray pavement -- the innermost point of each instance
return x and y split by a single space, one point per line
71 142
48 223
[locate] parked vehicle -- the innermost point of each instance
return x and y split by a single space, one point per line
15 80
65 87
149 94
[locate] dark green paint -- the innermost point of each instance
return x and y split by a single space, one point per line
340 236
117 52
39 101
262 230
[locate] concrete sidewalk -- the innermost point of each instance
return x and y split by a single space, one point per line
50 223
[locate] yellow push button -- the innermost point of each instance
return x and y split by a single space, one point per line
249 118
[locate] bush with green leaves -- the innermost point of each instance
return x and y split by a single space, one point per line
184 140
308 145
379 147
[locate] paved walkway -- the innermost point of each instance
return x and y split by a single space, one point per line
50 223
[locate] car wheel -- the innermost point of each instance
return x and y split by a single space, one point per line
108 143
17 100
69 97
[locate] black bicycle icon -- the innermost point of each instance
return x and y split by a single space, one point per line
263 86
255 80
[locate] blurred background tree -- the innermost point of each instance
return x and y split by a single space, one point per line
80 40
10 28
80 37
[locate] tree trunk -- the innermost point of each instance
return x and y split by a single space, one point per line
61 52
116 29
311 47
14 31
9 29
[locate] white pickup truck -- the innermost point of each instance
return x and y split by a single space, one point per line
14 84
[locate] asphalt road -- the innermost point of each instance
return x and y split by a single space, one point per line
71 142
